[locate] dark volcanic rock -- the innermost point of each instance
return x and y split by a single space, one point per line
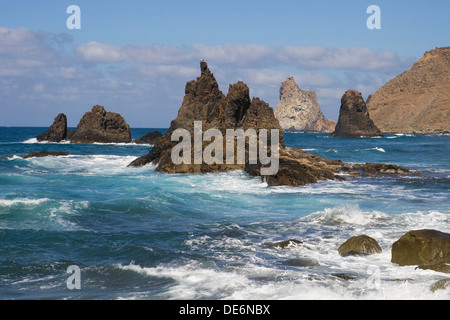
204 103
354 119
422 248
360 245
101 126
301 262
152 137
283 244
57 131
42 154
379 168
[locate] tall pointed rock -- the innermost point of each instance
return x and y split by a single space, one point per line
354 119
299 109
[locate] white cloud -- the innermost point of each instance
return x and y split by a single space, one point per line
46 72
99 52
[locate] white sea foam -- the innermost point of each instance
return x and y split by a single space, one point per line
86 164
35 141
14 157
346 214
22 201
31 141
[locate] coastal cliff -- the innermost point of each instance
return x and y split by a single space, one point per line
418 100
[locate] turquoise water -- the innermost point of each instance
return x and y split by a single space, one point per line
138 234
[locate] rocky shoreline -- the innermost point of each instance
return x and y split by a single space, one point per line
425 249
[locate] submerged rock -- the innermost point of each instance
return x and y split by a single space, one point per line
440 285
42 154
152 138
57 131
101 126
301 262
422 248
360 245
283 244
354 119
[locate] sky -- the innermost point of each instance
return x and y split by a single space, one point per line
135 57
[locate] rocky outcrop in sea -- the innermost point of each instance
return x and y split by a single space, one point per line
354 119
299 109
152 138
418 100
57 131
206 104
98 125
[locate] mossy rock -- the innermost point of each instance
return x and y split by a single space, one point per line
360 245
422 248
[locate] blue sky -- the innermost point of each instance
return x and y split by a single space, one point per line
134 57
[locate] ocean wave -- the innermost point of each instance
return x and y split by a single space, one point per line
35 141
22 201
346 214
377 149
86 164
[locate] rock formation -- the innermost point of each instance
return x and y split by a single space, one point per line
42 154
418 100
152 138
360 245
354 119
206 104
101 126
299 110
57 131
422 248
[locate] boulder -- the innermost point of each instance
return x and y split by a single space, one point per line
301 262
103 127
440 285
284 244
57 131
422 248
360 245
354 119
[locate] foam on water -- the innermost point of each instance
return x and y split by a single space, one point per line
24 201
209 236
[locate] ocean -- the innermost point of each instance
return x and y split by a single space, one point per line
136 234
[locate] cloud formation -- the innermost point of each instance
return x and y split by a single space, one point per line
44 74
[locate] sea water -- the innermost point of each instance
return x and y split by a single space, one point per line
138 234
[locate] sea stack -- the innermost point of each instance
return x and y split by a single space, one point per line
205 104
418 100
299 109
354 119
103 127
57 131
